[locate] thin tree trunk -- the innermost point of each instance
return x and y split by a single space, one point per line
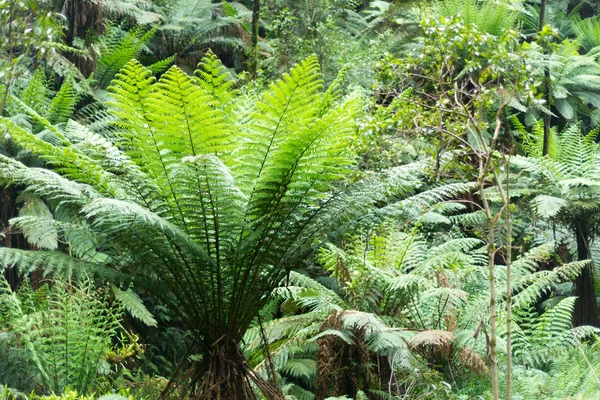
508 222
491 252
543 11
493 313
547 95
586 307
254 39
485 168
10 58
547 117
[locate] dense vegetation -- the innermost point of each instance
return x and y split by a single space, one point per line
280 199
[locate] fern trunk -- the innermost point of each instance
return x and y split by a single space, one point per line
223 374
586 307
83 18
8 210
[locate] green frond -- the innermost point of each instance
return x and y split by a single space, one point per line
63 104
137 10
185 118
212 202
588 33
54 187
50 262
129 92
475 218
132 303
530 261
37 92
66 158
555 321
288 106
549 206
35 222
343 335
492 17
419 204
160 66
214 78
533 142
356 320
305 292
531 287
301 368
408 282
68 335
334 92
389 341
117 49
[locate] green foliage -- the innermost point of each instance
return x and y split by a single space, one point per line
574 79
383 292
335 31
588 33
41 105
184 199
493 17
67 331
568 175
131 302
31 27
341 244
118 48
190 27
73 395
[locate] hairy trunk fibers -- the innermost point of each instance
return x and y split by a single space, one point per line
224 374
342 369
83 18
586 307
9 238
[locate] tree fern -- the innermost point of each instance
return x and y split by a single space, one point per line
217 214
569 196
191 27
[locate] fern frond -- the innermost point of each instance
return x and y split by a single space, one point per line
214 78
49 262
132 303
117 49
63 104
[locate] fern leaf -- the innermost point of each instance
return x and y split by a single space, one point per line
132 303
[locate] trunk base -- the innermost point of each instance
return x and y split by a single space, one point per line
224 374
